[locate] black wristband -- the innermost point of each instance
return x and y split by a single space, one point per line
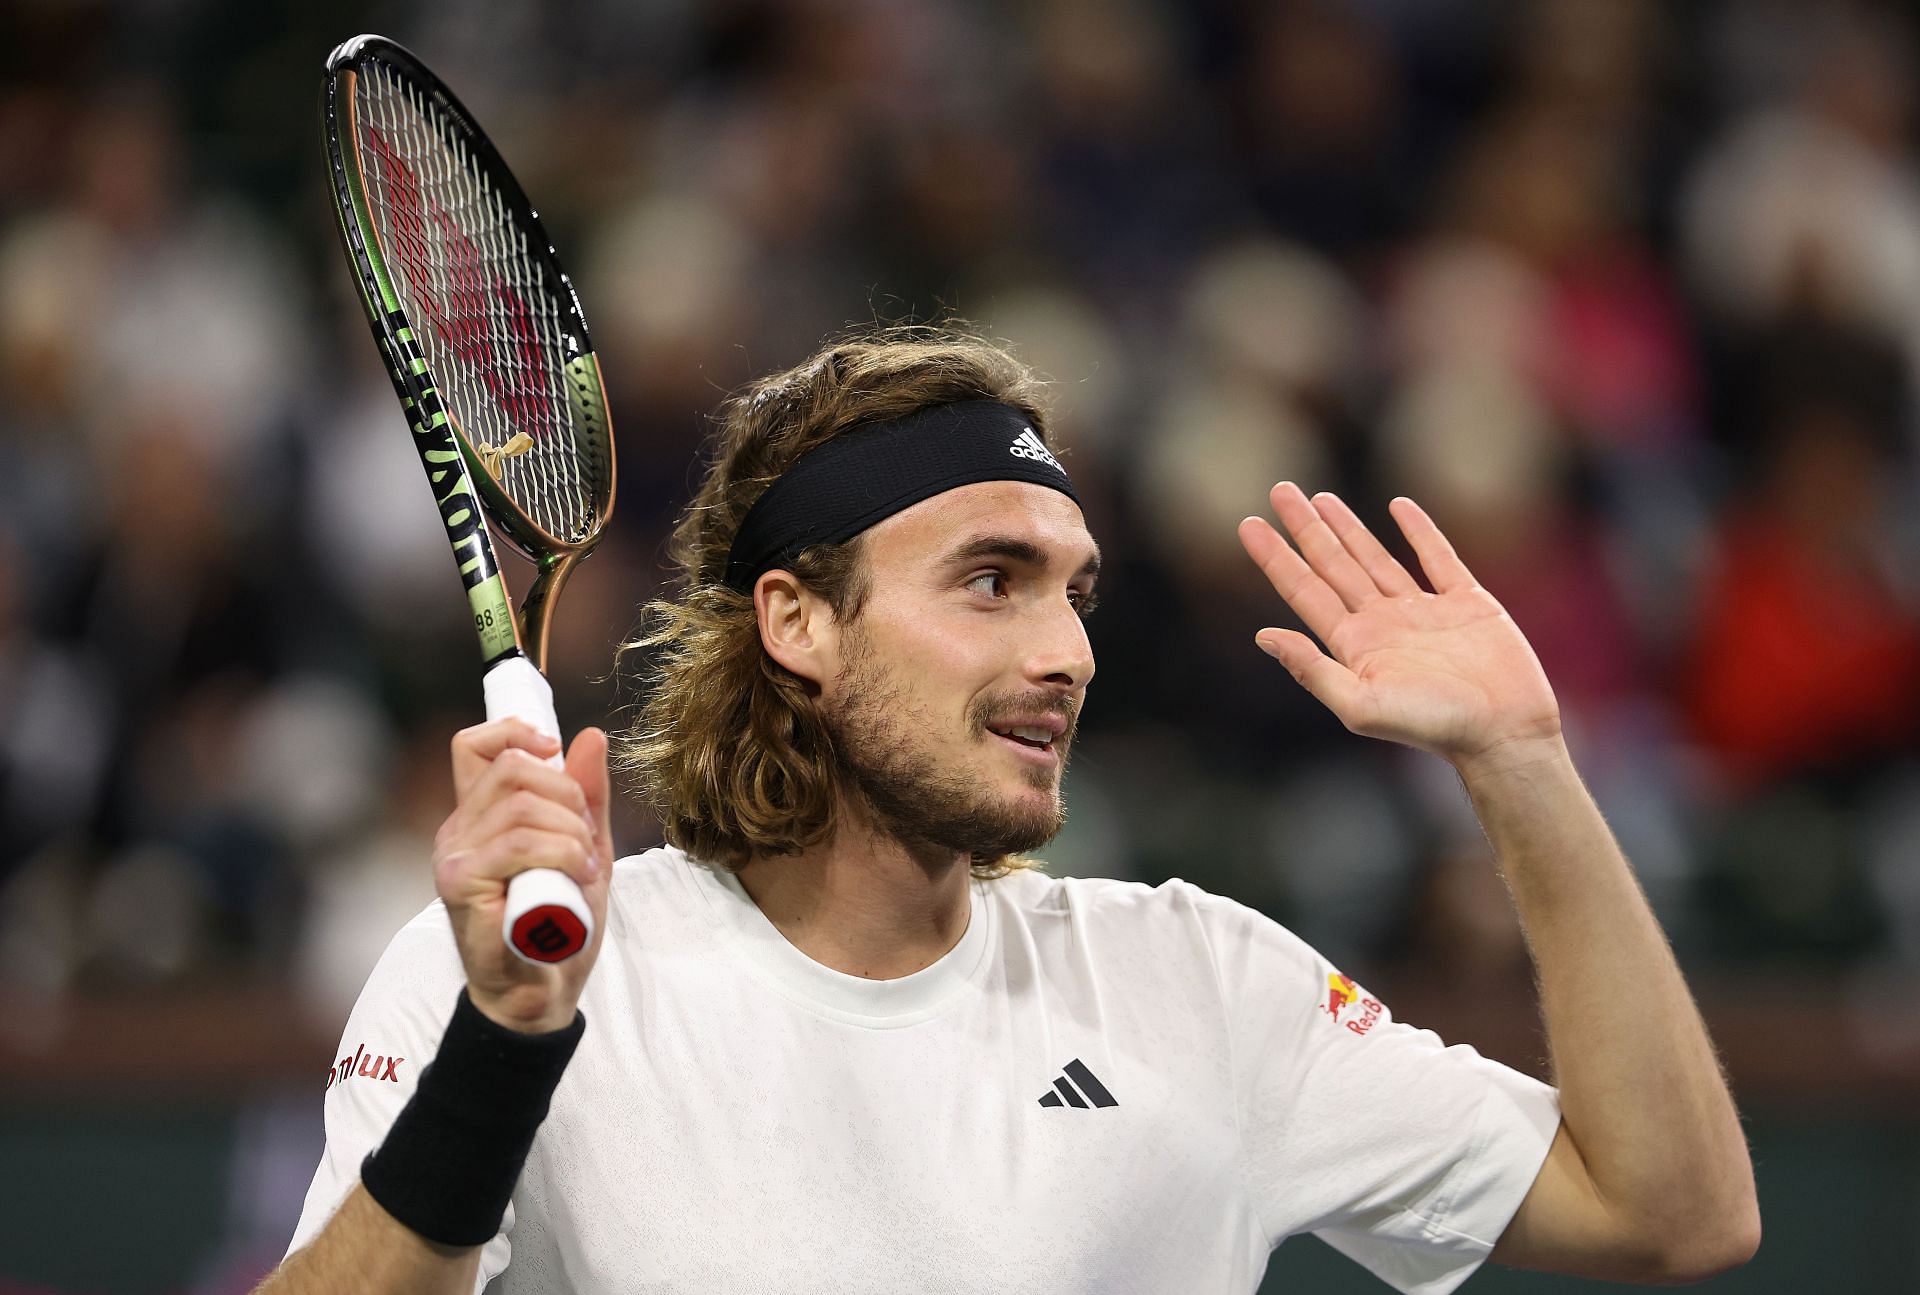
451 1160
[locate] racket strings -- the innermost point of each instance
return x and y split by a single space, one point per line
484 311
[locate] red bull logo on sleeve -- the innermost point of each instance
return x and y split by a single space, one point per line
1343 996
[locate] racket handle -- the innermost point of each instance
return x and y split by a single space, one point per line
547 918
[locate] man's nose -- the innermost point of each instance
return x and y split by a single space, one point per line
1065 657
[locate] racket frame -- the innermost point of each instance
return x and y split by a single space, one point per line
467 492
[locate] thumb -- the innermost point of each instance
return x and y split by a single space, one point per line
587 765
1332 684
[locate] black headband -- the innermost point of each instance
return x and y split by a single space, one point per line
863 476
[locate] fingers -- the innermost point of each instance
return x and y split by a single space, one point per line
1388 576
1445 571
504 856
520 828
520 812
476 749
516 769
517 811
1340 565
532 811
1322 548
1309 596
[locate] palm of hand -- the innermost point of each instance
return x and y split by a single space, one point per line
1447 671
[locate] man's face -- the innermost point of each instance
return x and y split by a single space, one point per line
972 630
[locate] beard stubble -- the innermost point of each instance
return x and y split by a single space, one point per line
890 768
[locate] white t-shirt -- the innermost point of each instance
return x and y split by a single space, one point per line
1103 1087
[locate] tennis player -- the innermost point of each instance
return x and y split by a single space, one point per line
841 1036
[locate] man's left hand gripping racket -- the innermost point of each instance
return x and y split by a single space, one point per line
488 351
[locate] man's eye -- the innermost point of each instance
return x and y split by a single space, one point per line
1084 603
990 592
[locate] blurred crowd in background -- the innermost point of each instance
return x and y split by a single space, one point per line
1626 293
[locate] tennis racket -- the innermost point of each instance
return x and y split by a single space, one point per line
488 351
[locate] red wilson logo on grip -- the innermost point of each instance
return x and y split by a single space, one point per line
548 934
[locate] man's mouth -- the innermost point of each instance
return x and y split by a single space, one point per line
1038 742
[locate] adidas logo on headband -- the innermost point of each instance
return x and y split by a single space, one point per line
1028 445
841 487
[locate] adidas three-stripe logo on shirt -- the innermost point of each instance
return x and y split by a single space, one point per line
1065 1094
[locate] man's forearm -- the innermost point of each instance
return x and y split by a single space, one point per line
1641 1090
365 1249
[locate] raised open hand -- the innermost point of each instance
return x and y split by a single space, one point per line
1448 671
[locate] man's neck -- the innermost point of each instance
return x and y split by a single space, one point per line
863 903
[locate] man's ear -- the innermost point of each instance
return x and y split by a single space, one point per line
797 627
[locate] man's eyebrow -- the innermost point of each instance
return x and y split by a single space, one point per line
1015 549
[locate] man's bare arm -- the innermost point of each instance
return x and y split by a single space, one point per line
364 1249
1656 1141
1649 1178
509 802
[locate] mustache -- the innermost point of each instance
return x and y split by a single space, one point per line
1001 710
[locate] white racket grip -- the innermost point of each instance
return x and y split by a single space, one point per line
547 919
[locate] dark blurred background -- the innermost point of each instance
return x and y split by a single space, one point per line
1628 294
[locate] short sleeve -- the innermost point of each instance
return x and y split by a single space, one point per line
393 1031
1408 1156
